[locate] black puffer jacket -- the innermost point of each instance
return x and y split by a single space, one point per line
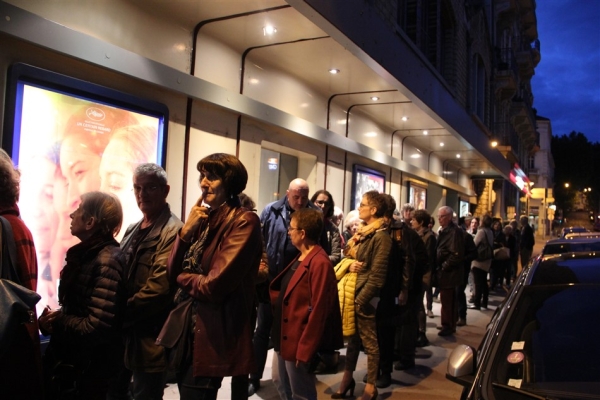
92 299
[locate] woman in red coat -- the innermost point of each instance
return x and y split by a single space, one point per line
215 260
306 311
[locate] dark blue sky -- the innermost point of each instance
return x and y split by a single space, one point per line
566 84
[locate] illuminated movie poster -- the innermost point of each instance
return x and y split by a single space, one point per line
366 179
66 146
417 196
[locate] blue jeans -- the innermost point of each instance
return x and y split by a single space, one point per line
293 383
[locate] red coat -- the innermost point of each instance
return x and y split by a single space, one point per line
310 319
225 290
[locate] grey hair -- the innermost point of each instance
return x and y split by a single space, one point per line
407 207
151 169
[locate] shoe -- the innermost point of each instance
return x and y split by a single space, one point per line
471 300
253 386
446 332
430 313
343 394
368 396
422 340
473 307
404 365
385 380
461 322
484 308
439 327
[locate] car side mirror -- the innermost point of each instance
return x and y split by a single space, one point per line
461 365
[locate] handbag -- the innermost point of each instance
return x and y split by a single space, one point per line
484 250
17 303
176 334
502 253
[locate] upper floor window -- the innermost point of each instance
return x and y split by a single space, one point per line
478 87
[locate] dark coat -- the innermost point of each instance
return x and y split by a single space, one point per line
22 361
149 295
450 256
310 319
224 290
88 334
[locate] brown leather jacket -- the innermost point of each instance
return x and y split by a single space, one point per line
224 290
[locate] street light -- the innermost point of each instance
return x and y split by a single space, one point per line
566 185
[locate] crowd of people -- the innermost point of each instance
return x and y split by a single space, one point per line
369 285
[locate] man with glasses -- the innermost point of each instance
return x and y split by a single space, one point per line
146 246
275 220
450 256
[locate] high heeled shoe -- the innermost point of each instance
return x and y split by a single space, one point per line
370 396
343 394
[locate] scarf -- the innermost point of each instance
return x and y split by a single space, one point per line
362 234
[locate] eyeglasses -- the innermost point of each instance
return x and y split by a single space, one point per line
148 189
363 205
294 229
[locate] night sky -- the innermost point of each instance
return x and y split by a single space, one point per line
566 84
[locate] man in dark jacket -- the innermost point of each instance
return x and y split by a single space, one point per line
275 220
527 242
450 257
147 245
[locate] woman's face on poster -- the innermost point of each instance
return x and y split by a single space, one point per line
80 167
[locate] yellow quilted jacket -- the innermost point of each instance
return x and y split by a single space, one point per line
346 286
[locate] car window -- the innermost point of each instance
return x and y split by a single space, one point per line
549 345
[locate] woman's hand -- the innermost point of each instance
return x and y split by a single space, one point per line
48 316
198 213
356 266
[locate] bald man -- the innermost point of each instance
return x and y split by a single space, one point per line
275 220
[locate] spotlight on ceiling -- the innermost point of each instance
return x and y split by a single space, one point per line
334 71
374 98
425 133
269 30
458 156
404 119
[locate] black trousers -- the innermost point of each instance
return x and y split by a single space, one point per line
262 334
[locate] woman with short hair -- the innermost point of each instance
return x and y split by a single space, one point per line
84 351
306 312
215 260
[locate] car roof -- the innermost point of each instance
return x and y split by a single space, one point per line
566 269
585 234
566 245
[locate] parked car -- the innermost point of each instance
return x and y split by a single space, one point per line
580 235
571 244
571 229
541 341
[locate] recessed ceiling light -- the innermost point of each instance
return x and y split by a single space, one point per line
404 119
481 172
334 71
341 121
494 143
253 81
374 98
269 30
458 156
441 144
371 134
425 133
416 155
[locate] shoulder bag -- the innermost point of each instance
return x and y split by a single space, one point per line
17 303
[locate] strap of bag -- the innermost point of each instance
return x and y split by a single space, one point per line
9 252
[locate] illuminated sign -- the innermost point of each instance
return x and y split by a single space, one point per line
518 177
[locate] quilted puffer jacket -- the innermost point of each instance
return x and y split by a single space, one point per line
346 288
